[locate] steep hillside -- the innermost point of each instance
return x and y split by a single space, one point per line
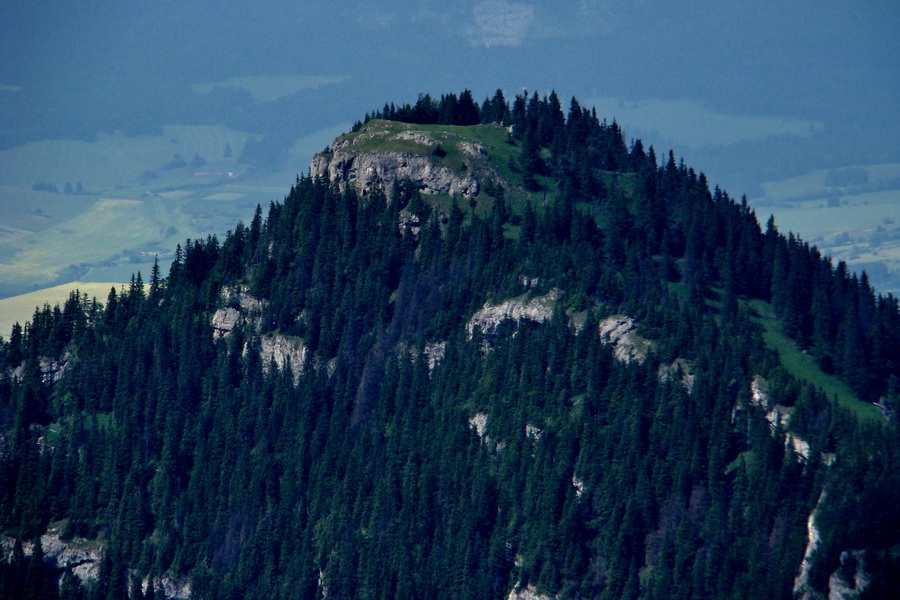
491 353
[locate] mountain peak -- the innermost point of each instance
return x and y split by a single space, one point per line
443 160
581 373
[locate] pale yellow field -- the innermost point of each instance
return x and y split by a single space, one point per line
21 308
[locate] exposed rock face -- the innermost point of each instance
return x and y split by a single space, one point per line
349 165
473 150
173 589
849 581
244 309
528 282
679 369
478 422
619 332
241 296
490 316
778 417
241 308
578 484
435 352
527 593
224 321
284 351
799 446
52 370
853 565
81 556
759 392
801 582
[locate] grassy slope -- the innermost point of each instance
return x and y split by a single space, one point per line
804 367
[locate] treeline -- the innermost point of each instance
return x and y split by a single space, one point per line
42 186
361 475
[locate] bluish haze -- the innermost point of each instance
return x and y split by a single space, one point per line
775 102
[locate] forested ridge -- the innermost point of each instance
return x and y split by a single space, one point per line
529 455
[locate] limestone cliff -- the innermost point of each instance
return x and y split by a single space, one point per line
379 155
285 351
82 556
240 308
490 316
52 370
528 592
619 332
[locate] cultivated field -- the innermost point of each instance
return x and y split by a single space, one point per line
851 214
139 201
21 308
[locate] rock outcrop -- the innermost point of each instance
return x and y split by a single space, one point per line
847 582
490 316
80 555
284 351
478 422
801 582
578 484
779 418
680 370
435 352
851 579
241 308
352 162
52 369
619 332
171 588
527 593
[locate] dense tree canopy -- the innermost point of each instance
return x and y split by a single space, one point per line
362 474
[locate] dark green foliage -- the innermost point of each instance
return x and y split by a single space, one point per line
187 455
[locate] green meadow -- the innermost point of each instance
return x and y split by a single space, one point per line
803 366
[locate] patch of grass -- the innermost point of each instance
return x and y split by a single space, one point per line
628 182
54 430
804 367
512 232
744 459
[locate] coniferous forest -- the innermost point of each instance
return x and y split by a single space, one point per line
410 456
